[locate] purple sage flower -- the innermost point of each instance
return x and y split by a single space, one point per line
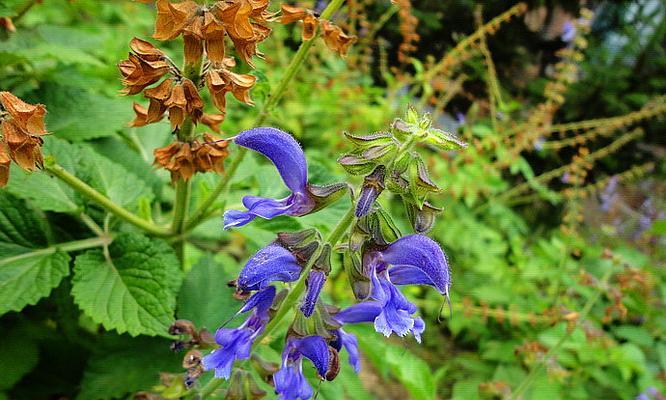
290 383
410 260
568 32
235 344
272 263
288 157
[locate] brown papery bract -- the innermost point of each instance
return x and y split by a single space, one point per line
213 121
336 39
22 126
139 73
293 14
177 158
210 155
5 160
27 117
172 18
221 81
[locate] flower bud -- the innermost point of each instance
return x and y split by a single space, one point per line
422 219
373 185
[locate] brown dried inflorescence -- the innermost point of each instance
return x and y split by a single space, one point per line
205 26
308 17
182 160
22 126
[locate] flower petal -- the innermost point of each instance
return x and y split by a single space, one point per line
351 345
272 263
283 150
257 207
290 383
365 311
315 349
235 345
417 253
261 300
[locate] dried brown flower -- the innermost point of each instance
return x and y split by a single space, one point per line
184 159
178 159
172 18
179 99
7 24
22 126
213 121
4 165
335 38
210 155
221 81
293 14
145 66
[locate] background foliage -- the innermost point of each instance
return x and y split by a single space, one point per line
558 275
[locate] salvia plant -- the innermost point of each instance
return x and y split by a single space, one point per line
127 281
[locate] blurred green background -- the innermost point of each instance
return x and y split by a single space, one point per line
554 217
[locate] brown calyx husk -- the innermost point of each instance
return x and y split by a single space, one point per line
183 159
22 126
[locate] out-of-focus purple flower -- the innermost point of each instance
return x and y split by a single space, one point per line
315 283
287 156
290 383
460 117
235 344
272 263
609 194
539 142
566 177
568 32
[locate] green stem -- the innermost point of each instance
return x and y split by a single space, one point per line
295 293
83 188
201 212
553 350
67 246
210 387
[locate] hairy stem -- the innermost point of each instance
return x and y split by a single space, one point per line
201 212
83 188
191 71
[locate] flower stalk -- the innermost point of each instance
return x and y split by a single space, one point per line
83 188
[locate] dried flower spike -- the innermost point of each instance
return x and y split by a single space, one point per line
178 159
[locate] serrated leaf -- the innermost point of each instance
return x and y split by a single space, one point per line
205 297
78 114
134 291
109 178
112 179
46 192
129 366
29 269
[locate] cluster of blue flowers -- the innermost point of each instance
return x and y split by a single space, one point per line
382 266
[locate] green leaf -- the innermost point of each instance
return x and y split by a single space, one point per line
134 291
78 114
44 191
29 270
112 179
127 366
18 357
49 193
205 297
